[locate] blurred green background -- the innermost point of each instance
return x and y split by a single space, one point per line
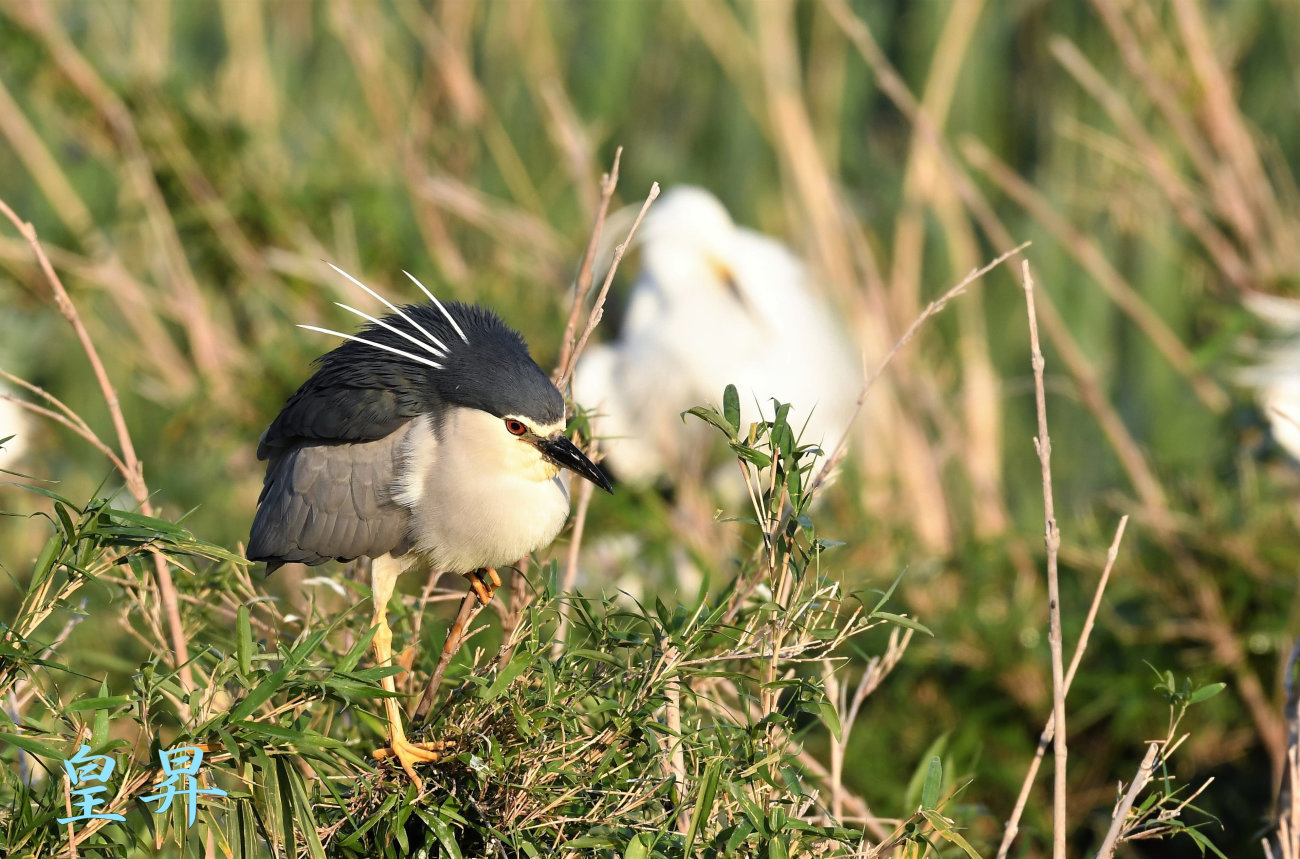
188 165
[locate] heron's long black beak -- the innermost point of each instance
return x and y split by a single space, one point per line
564 453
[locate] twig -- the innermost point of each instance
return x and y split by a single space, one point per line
1089 254
582 286
131 468
598 307
1162 172
677 757
841 448
585 491
1284 841
1043 444
76 426
456 635
1013 822
1125 805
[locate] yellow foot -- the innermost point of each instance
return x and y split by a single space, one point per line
482 589
408 754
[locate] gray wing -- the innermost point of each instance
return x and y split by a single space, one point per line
330 501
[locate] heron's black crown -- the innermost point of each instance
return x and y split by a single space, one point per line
361 392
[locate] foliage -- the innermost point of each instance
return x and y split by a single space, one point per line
187 166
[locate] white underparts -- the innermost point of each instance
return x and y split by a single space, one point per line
477 495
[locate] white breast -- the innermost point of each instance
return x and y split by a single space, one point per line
478 496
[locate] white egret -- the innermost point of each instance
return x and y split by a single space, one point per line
714 304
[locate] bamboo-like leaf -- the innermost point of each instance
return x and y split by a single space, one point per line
244 641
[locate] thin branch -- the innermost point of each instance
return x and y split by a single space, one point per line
598 308
1043 444
841 448
1125 805
130 467
582 286
1045 739
85 433
456 635
585 491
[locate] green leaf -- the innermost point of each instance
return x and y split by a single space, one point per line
637 848
830 716
35 747
506 676
1203 842
1205 693
259 695
731 408
749 454
704 805
711 416
353 656
283 774
933 784
45 561
944 829
244 641
441 831
902 620
97 703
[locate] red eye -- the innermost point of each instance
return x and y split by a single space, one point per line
515 427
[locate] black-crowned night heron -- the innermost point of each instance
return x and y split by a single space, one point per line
714 304
431 434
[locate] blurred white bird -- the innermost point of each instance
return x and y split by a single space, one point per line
714 304
14 421
1275 371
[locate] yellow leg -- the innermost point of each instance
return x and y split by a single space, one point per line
384 572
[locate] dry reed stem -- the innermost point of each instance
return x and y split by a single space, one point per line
1080 369
585 491
582 285
1052 538
457 632
501 219
840 450
206 198
718 26
677 757
1225 124
1183 199
952 183
1045 738
1284 841
378 77
542 72
921 171
820 209
44 168
1230 201
132 469
1116 830
978 436
1089 255
187 304
137 309
598 307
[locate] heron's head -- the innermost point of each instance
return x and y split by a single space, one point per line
463 357
689 247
